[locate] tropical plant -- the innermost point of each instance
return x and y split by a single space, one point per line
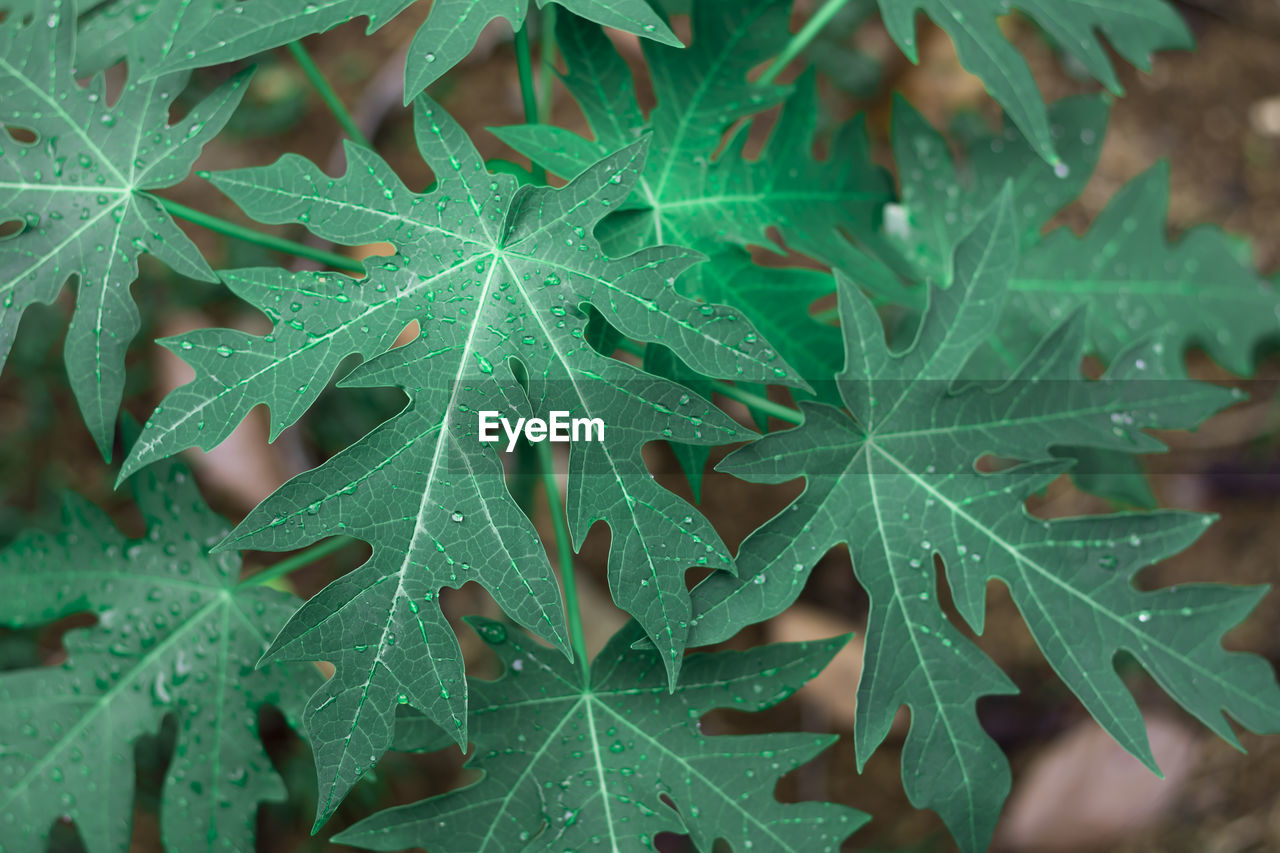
659 271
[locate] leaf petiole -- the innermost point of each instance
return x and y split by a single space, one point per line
249 235
300 560
528 94
325 91
546 60
733 392
564 555
761 404
802 39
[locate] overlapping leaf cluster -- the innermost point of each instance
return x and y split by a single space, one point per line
654 240
698 188
494 275
897 480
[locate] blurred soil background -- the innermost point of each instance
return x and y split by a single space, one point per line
1214 114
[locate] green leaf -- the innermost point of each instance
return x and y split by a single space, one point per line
770 297
720 203
941 199
109 30
1116 476
175 636
599 762
698 188
1135 29
1134 281
1198 290
897 482
237 30
688 194
81 191
493 275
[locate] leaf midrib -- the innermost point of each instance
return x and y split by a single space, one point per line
144 446
68 121
891 565
104 700
1021 559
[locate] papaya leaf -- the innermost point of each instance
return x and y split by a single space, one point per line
897 482
941 198
720 203
639 762
174 635
237 30
494 275
689 194
1197 290
108 31
1201 288
1135 29
80 192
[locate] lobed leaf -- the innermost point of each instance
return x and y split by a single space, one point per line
80 192
1135 29
898 483
700 190
1200 289
237 30
610 760
688 193
175 636
496 276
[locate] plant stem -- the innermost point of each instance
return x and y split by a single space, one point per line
801 39
564 555
524 65
528 95
268 241
546 61
317 80
760 404
733 392
298 561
